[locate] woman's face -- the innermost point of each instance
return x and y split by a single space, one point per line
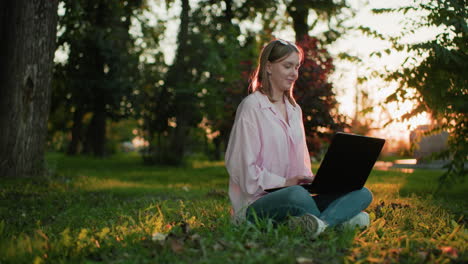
284 72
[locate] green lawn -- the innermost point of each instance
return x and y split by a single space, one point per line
119 211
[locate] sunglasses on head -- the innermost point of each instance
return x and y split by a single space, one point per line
285 42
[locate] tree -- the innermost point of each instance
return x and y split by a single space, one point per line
179 79
190 103
228 63
436 70
313 91
27 30
99 75
326 11
150 107
204 86
177 110
314 94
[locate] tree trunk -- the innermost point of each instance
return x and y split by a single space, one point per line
99 133
228 13
299 14
77 132
95 141
27 33
178 77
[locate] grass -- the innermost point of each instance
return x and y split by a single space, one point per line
119 211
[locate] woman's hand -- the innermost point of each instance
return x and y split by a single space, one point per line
299 180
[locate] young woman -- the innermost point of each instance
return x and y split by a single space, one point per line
267 149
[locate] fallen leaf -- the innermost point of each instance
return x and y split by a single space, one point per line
42 234
395 251
217 247
195 237
250 245
185 227
303 260
158 237
399 206
423 254
423 225
374 260
177 245
217 193
168 227
452 252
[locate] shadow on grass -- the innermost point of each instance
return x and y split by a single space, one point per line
127 174
84 191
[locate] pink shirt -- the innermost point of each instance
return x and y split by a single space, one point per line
263 150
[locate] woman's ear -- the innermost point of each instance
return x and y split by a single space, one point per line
268 67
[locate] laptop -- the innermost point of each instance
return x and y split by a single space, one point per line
346 165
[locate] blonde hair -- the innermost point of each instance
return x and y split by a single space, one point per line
275 51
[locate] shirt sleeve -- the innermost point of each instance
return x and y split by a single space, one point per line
307 170
244 149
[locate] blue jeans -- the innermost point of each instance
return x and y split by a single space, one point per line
334 209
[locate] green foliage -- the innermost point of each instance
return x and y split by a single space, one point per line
207 83
314 94
436 69
119 211
100 71
211 70
229 64
327 15
115 69
118 133
333 14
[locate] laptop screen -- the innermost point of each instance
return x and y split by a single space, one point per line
347 163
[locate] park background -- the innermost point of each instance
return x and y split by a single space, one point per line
115 116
